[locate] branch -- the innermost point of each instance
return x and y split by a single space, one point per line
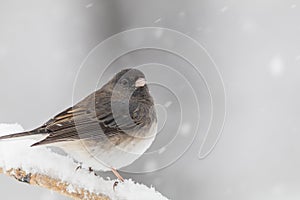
53 184
42 167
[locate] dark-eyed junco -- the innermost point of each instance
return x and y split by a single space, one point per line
108 129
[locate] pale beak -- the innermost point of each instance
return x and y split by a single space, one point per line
140 82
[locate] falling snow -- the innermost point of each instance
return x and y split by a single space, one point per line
89 5
168 104
276 66
182 14
185 129
161 150
158 20
224 9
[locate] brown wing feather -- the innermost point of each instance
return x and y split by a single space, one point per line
81 118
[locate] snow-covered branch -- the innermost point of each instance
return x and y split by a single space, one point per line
53 184
40 166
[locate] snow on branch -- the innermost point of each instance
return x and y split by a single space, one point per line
42 167
53 184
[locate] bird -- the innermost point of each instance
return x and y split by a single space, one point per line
107 130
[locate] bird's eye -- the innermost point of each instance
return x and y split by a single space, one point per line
124 82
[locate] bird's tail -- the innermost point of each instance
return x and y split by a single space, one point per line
17 135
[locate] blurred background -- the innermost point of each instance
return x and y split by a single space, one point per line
255 45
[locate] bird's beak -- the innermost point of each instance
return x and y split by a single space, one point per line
140 82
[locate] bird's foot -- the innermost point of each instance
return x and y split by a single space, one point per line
116 173
78 167
91 170
115 185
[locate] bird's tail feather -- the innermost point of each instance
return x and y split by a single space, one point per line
17 135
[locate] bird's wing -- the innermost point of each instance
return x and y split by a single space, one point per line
92 118
77 122
67 126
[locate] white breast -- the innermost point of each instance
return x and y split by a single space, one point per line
107 155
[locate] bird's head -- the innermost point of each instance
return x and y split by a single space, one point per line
130 81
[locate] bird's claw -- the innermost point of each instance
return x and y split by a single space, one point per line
115 185
78 167
90 169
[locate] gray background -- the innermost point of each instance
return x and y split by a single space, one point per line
255 44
